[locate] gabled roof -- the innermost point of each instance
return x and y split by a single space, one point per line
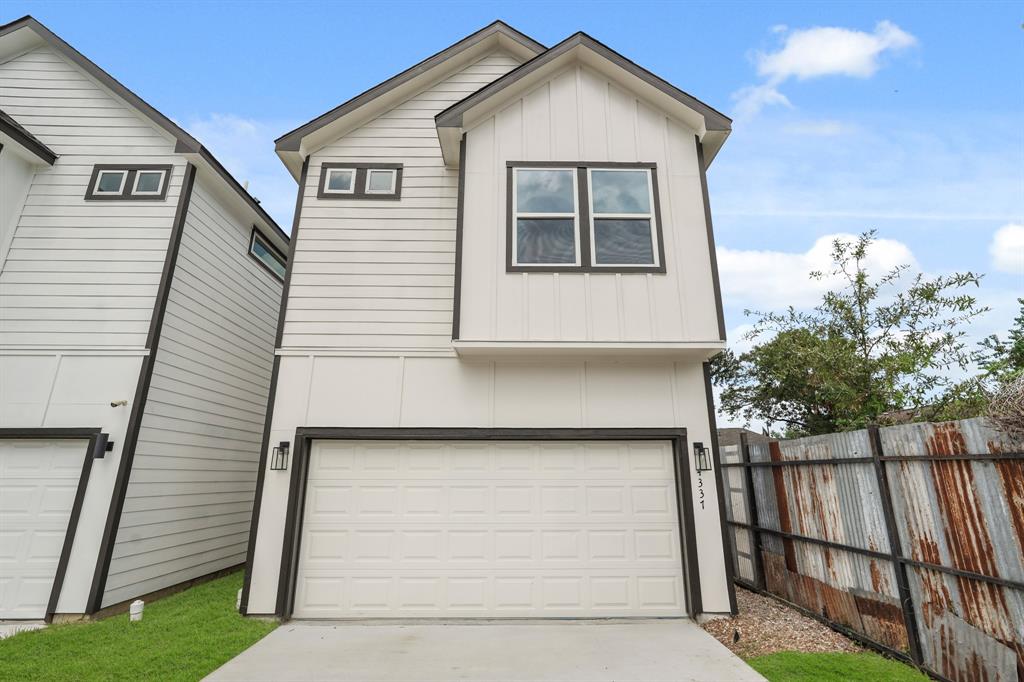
712 125
26 33
15 131
291 146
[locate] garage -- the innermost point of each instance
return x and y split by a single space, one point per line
39 484
504 527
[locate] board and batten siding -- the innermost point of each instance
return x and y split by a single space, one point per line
193 478
81 274
380 274
579 115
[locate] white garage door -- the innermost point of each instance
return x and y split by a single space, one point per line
38 480
472 529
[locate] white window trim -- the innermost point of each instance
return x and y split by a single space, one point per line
99 177
159 188
649 216
516 215
327 181
394 180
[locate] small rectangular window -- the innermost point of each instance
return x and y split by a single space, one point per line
266 255
360 181
126 183
588 217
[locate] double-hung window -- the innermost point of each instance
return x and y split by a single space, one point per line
589 217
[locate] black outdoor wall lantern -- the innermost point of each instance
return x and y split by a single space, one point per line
701 458
279 457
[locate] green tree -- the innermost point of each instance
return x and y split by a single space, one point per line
874 344
1003 361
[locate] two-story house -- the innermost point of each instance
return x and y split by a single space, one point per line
490 392
139 292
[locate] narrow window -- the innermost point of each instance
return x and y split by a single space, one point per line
546 229
110 182
265 254
340 181
148 182
622 216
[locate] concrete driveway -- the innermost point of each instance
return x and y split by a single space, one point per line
521 651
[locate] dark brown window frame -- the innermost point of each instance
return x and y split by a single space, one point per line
583 204
359 188
129 183
253 236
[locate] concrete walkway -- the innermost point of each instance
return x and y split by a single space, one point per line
491 651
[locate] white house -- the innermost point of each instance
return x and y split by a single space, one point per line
490 378
139 292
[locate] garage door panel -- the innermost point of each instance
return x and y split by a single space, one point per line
38 482
467 529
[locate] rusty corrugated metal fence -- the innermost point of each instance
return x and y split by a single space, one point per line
910 538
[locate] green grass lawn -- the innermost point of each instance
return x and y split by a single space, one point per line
183 637
790 666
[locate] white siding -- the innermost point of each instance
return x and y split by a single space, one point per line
579 115
190 494
15 179
380 273
81 273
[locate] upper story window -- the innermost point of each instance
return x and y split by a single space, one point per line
589 217
123 183
360 181
267 255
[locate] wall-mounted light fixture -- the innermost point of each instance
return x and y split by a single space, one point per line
279 457
701 458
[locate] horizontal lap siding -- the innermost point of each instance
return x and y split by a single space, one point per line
380 273
81 273
190 496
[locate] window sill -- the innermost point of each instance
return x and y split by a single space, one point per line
687 350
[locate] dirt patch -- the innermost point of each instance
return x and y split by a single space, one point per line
765 626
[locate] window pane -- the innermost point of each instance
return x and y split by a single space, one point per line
148 181
545 241
340 180
380 181
620 191
269 257
110 181
544 191
623 242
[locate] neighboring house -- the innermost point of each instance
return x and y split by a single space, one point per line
139 290
490 392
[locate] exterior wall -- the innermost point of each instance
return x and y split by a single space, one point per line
190 493
81 274
578 115
74 389
381 273
15 178
443 390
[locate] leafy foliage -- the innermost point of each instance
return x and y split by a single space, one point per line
874 344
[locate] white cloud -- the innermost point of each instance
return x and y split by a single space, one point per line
246 148
819 128
817 52
1007 249
773 280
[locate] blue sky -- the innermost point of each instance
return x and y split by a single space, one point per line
904 117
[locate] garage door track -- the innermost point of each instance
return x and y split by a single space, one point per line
521 651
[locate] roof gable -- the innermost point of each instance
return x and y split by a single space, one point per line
295 145
27 33
711 125
29 142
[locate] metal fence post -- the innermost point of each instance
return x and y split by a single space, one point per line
751 502
900 569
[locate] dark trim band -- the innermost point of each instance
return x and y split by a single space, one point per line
711 238
129 182
359 182
18 133
716 457
97 441
583 217
272 395
460 209
288 570
99 579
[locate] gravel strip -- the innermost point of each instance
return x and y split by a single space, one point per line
765 626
